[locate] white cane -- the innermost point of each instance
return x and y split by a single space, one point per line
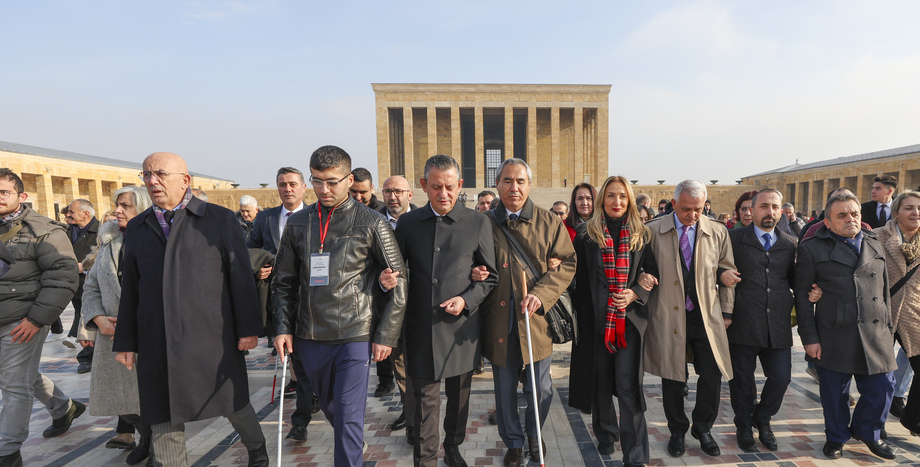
281 403
533 379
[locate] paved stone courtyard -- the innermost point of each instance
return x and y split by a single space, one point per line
569 439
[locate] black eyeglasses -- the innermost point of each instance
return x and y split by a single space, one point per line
330 183
160 175
397 192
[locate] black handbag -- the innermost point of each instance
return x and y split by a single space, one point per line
563 325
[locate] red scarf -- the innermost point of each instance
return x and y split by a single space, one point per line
616 268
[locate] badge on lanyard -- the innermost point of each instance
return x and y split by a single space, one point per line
319 269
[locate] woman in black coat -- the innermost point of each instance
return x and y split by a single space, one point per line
609 302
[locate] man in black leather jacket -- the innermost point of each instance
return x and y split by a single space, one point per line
325 279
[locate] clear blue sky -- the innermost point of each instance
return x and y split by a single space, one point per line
703 89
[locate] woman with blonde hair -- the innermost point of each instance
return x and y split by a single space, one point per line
612 318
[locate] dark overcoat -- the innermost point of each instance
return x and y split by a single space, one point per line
440 252
590 303
184 305
265 233
87 239
852 320
762 315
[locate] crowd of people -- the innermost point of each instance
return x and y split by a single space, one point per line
428 291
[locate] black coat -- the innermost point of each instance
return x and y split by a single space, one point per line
763 299
590 303
869 211
852 320
265 233
86 241
184 305
440 252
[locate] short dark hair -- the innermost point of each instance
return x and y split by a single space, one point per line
765 190
362 175
839 197
747 195
573 211
888 181
485 193
441 162
330 157
289 170
11 176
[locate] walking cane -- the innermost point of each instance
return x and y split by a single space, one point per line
281 403
533 379
274 379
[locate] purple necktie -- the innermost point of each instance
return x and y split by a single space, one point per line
687 253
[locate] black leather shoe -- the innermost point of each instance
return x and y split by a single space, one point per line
833 450
686 390
315 407
84 367
676 445
258 457
493 418
897 407
141 452
11 460
707 443
606 448
400 422
745 437
452 457
766 436
60 426
534 448
384 389
513 457
879 448
410 435
297 433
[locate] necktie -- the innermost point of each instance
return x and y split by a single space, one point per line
168 215
882 215
513 216
766 241
687 253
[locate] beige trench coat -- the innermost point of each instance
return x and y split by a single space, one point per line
666 348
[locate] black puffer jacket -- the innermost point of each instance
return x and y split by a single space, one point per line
361 244
44 278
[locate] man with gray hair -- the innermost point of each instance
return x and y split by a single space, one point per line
690 310
83 229
795 223
249 207
539 235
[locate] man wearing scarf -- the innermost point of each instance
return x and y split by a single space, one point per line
848 334
189 309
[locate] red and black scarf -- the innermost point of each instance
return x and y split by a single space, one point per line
616 268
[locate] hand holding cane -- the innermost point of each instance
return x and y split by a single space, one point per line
281 404
533 379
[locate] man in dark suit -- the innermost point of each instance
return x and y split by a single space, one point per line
877 212
848 332
266 234
82 231
363 189
765 258
441 243
191 345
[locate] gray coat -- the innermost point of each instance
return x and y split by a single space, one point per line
113 388
852 320
763 299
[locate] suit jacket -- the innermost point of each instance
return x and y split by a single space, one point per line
87 239
184 305
852 321
666 350
265 233
869 213
763 299
439 253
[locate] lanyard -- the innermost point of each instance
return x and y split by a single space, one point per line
323 231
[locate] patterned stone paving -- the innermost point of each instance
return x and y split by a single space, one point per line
799 428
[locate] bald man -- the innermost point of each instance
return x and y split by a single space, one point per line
189 308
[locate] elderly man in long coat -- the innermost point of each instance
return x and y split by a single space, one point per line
441 242
690 309
189 308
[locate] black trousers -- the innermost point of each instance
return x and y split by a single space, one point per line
911 417
86 353
708 385
128 423
427 414
777 367
385 371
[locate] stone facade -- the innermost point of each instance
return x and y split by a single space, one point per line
53 179
560 130
808 184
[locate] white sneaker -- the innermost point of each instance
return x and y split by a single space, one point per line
69 342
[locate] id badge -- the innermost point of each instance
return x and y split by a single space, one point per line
319 269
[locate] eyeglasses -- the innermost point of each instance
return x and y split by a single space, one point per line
5 194
397 192
329 183
160 175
